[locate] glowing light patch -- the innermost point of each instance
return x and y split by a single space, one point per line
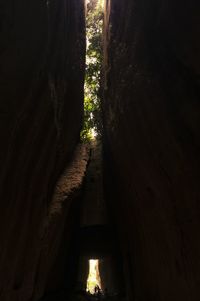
101 3
93 276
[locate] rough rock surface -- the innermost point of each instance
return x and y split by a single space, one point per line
42 53
93 204
151 142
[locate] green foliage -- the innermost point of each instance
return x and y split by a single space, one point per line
92 112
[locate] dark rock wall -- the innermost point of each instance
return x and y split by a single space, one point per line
151 117
93 207
42 48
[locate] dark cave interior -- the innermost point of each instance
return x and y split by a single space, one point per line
132 200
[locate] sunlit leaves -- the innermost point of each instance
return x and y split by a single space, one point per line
94 24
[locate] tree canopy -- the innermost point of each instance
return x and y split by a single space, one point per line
92 111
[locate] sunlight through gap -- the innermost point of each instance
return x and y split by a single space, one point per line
100 2
92 126
94 279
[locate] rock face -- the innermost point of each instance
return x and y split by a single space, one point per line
151 142
93 207
42 54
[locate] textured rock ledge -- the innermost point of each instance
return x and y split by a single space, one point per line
70 181
57 227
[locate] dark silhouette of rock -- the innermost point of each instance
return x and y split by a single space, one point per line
42 52
151 142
